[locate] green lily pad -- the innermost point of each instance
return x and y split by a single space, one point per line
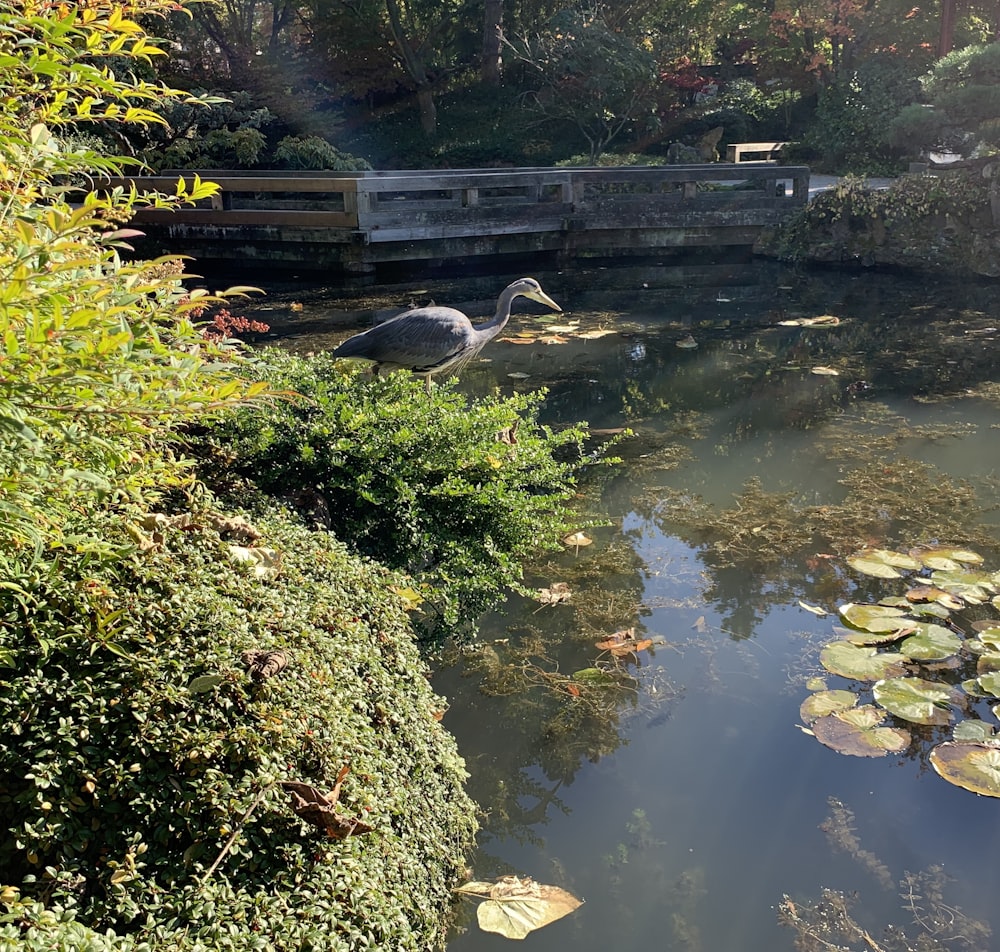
856 732
973 587
860 662
973 731
866 565
989 683
934 609
988 661
930 643
974 767
990 636
914 700
874 618
937 557
823 703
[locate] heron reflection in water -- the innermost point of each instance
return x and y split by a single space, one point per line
432 340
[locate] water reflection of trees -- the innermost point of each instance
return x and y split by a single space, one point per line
555 700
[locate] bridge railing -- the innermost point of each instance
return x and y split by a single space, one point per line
391 206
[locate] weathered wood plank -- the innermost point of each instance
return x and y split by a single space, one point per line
390 216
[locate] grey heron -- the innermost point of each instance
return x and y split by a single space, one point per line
431 340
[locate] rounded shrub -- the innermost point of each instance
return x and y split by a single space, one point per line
143 761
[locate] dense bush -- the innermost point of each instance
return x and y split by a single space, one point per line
136 739
428 484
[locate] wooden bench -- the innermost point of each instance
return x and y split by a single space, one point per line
761 151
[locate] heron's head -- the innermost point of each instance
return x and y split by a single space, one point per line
530 288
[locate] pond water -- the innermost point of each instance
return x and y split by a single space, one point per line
677 790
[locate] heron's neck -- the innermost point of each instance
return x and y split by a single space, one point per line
497 322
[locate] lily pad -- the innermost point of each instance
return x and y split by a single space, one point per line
934 609
914 700
988 661
990 636
972 731
857 733
874 618
930 643
860 662
823 703
875 567
974 767
931 593
870 559
974 587
943 557
516 907
989 684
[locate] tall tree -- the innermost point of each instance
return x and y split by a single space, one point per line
492 42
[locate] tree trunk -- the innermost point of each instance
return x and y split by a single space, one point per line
415 67
428 111
492 31
946 38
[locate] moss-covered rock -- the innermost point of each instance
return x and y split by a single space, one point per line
136 740
945 223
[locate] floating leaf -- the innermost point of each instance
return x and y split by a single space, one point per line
931 593
874 618
943 554
516 907
933 609
989 683
990 636
815 609
974 767
974 587
856 732
557 592
816 684
595 334
205 683
596 677
687 343
859 662
972 731
987 662
624 642
823 703
518 375
914 700
930 643
825 371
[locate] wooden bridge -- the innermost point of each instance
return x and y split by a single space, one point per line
350 223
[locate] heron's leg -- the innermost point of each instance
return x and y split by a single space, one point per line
427 384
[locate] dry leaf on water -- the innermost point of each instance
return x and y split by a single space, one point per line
515 907
557 592
624 642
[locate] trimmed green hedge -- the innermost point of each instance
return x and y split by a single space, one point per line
135 740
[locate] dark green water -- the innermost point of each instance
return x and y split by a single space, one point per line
685 803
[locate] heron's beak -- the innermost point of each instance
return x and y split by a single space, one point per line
542 298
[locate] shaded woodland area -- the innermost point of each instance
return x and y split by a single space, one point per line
854 86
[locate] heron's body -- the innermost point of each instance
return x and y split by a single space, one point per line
432 340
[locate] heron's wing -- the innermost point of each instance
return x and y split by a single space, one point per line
422 340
